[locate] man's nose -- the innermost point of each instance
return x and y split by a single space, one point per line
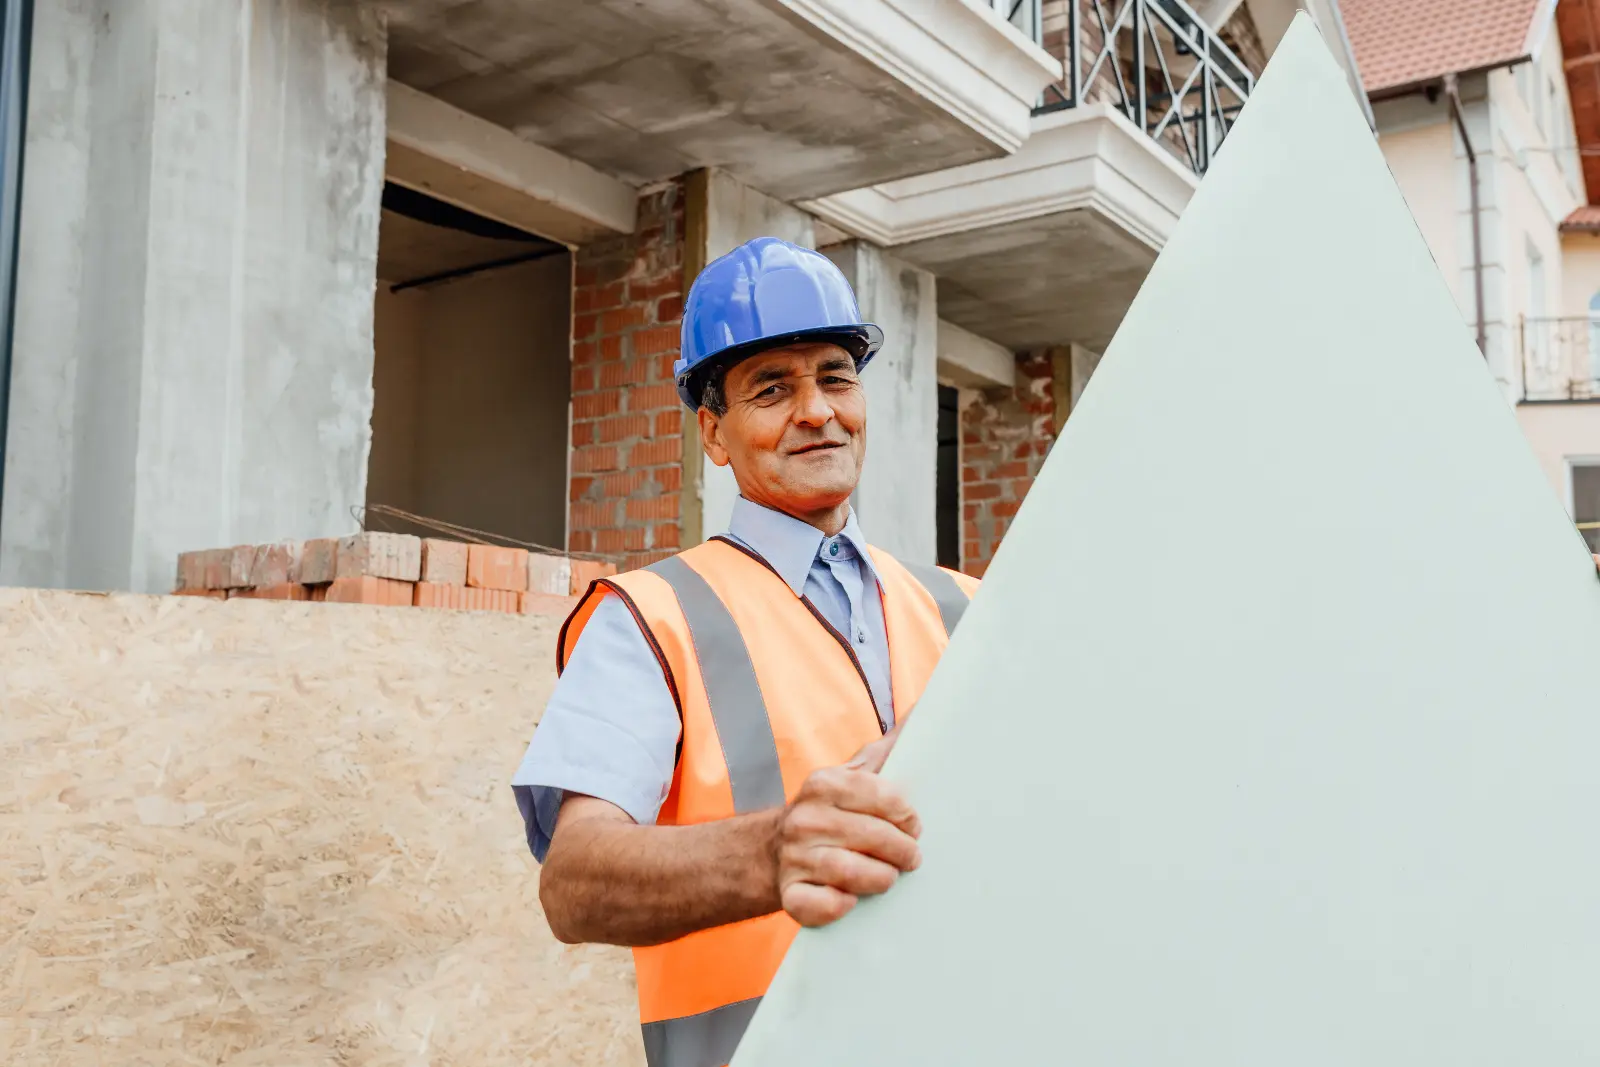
812 407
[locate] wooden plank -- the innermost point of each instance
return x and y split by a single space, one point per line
264 832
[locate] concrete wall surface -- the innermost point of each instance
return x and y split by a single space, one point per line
51 257
255 832
736 214
472 381
194 348
1560 434
897 501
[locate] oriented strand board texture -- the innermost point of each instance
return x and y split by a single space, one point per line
268 833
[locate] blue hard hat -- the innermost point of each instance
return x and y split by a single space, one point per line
764 294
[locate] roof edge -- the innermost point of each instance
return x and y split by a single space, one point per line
1388 92
1544 17
1585 219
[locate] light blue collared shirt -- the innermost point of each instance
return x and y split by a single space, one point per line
611 728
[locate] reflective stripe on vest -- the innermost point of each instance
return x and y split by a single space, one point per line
731 690
705 1040
767 694
950 597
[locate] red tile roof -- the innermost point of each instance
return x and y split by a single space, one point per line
1579 24
1584 220
1404 42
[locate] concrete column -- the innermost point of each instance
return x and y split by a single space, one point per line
199 245
730 214
896 501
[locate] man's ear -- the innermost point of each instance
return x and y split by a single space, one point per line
711 438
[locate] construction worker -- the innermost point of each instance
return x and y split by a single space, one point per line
703 781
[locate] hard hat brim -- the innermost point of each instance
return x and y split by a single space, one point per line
862 341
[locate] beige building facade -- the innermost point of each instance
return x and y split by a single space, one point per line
1514 242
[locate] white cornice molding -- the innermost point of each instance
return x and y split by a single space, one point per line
962 57
1090 157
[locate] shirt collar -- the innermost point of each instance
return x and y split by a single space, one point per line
791 546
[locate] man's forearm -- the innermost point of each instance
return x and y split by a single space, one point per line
613 882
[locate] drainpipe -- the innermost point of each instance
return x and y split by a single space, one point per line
1453 91
16 38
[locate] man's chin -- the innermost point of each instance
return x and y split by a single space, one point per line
820 494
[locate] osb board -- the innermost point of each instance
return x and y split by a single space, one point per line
268 833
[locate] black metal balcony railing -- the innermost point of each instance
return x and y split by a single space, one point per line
1155 60
1560 358
1025 15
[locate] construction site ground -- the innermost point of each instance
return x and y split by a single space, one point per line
257 832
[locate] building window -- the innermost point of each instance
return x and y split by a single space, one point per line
1552 109
1585 487
1535 343
947 490
1594 343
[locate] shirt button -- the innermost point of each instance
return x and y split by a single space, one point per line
833 549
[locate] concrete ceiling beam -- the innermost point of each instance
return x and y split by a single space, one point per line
462 159
972 362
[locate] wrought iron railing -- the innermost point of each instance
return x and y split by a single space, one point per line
1025 15
1560 358
1156 60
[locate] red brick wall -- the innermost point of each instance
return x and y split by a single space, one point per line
627 423
1005 436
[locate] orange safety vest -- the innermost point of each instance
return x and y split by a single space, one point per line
768 692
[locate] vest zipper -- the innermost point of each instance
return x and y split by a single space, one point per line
844 642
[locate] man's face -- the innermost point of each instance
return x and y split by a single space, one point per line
795 428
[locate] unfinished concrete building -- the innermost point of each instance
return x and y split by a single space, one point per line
281 260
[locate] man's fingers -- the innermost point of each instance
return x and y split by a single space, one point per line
864 792
816 905
872 756
850 872
828 882
880 839
813 831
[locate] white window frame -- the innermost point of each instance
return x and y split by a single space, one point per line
1524 76
1552 105
1594 338
1572 463
1536 288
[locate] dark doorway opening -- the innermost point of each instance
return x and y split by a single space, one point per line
472 372
947 492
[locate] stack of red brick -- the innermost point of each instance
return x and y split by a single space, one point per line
392 569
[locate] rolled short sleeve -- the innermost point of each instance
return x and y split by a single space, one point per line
610 730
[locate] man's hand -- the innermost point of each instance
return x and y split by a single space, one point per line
847 834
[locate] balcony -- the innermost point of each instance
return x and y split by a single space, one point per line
797 98
1192 88
1194 85
1560 359
1049 245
